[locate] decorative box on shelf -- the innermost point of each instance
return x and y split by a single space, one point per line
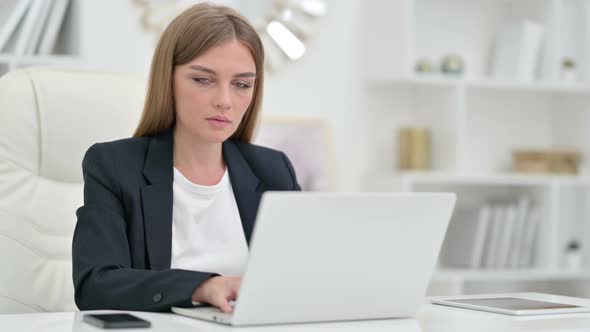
537 161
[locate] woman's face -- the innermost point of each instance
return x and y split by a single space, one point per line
213 91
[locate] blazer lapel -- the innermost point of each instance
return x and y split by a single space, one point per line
156 200
246 186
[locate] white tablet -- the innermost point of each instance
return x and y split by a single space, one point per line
512 305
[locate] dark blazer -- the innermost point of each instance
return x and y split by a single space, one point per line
122 243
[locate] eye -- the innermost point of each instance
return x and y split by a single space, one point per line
243 85
203 80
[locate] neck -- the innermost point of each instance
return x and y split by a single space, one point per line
199 161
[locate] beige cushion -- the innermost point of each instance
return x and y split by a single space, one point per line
49 118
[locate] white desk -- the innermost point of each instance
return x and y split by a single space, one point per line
430 318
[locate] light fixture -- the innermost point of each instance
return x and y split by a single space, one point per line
287 27
285 39
312 7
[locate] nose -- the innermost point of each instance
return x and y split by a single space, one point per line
222 98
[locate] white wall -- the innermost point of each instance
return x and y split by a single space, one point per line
111 36
329 81
326 82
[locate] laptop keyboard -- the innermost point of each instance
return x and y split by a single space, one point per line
216 313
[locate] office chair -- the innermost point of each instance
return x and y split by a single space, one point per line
48 119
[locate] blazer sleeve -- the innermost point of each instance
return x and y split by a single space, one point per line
101 260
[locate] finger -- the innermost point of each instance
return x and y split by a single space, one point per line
233 295
222 303
236 284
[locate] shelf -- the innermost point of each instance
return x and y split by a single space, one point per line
545 87
427 80
509 275
495 179
6 58
491 84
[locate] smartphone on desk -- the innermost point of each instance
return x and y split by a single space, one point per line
116 321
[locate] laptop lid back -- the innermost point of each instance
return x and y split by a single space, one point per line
341 256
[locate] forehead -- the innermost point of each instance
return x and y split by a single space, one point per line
231 55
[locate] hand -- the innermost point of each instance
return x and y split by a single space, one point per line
218 291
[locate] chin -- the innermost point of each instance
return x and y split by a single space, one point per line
217 137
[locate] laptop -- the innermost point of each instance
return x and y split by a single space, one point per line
317 257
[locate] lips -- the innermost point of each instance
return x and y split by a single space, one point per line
219 122
219 118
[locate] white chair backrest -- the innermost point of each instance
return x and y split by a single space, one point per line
48 119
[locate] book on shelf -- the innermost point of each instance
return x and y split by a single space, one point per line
28 27
517 51
11 16
38 27
53 26
510 240
532 225
505 239
522 211
494 236
479 237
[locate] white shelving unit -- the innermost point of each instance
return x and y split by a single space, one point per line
476 122
99 36
68 50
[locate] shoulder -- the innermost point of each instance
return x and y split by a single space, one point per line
272 167
120 155
123 148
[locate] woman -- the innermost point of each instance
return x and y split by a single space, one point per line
167 214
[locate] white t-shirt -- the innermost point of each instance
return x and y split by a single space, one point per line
207 232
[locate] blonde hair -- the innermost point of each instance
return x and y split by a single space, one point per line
189 35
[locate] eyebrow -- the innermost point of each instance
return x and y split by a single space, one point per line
213 72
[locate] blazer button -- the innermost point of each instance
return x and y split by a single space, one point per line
157 297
